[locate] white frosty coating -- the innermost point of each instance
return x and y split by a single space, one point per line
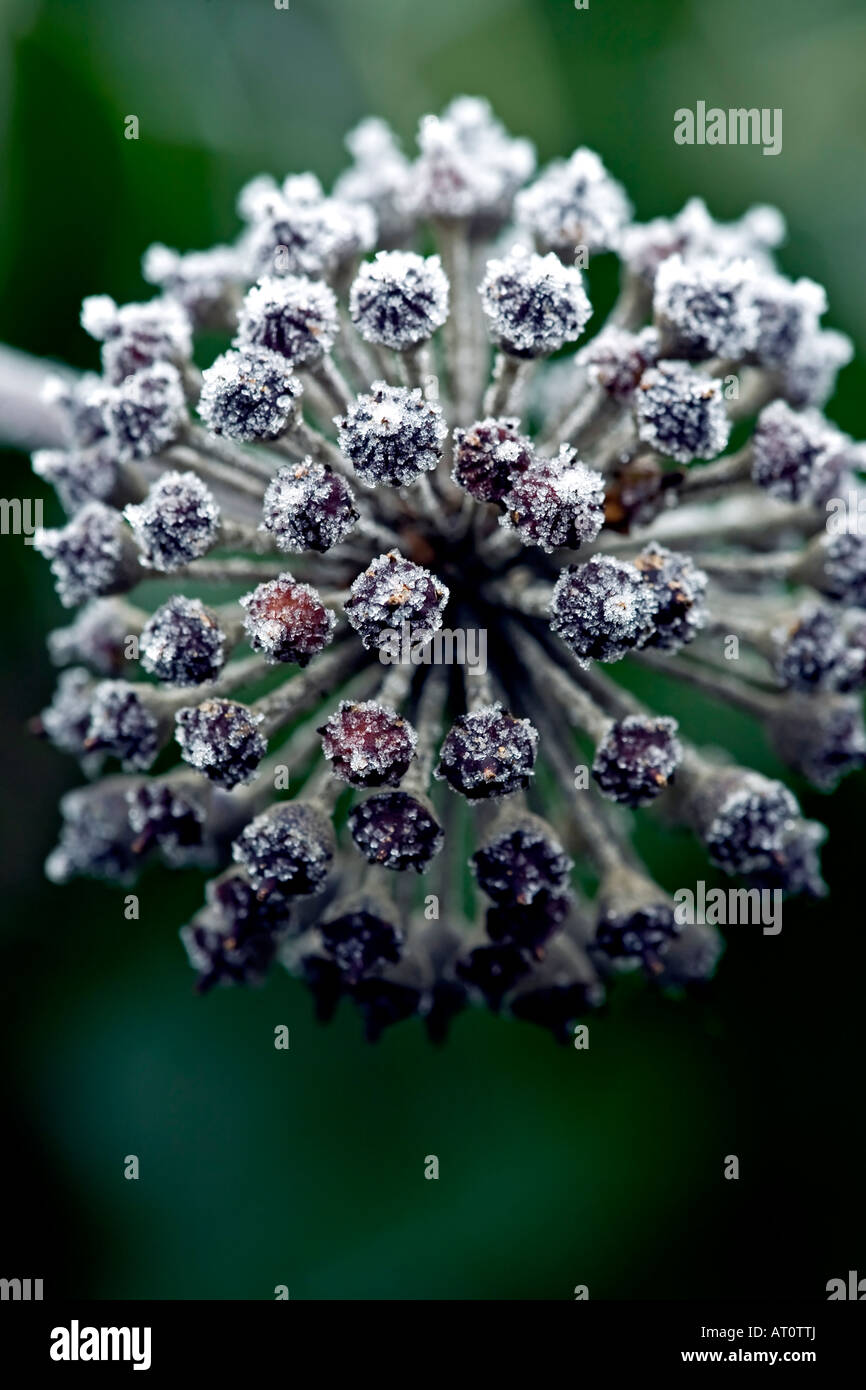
177 522
293 315
396 831
488 752
77 476
747 829
534 304
307 506
575 202
379 176
123 725
182 642
391 591
707 305
793 452
258 196
87 555
392 434
399 299
616 359
787 311
694 233
469 165
373 743
291 843
145 412
68 715
556 502
196 279
681 413
268 633
602 609
249 395
678 587
96 637
844 576
810 375
636 758
298 231
160 319
82 404
220 738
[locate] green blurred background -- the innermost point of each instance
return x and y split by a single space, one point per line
305 1168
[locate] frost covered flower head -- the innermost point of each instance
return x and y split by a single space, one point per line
408 567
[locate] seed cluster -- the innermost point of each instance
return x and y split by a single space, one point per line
478 537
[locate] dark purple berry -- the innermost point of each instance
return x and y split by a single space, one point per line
95 840
92 555
178 521
493 971
146 412
488 753
399 299
793 453
183 643
637 759
126 723
602 609
528 926
397 830
391 435
361 937
391 592
489 456
287 620
308 507
681 413
556 502
249 395
534 304
521 859
368 744
221 739
290 315
678 589
291 845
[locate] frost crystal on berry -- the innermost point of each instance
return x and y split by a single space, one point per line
221 739
574 203
399 299
392 435
637 759
602 609
488 753
681 413
308 507
368 744
176 523
394 591
292 316
249 395
534 304
556 502
705 308
489 456
287 620
182 643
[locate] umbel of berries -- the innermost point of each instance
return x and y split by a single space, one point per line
410 572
